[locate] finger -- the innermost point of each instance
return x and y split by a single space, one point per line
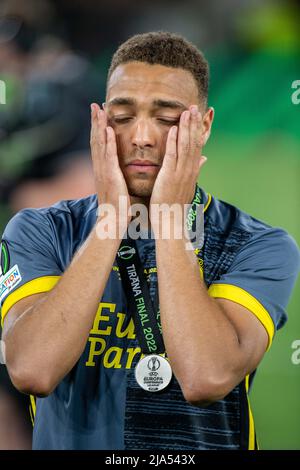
183 141
103 119
101 129
196 139
195 130
97 143
171 149
194 151
98 136
93 122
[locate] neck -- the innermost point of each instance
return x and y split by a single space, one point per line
140 200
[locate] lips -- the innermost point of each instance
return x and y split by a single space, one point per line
142 163
142 167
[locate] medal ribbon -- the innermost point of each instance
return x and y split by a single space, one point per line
145 313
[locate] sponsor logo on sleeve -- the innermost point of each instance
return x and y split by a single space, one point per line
9 280
4 258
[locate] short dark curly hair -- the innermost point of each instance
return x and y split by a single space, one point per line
167 49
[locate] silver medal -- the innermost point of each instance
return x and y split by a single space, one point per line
153 373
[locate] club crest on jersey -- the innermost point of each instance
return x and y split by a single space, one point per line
9 280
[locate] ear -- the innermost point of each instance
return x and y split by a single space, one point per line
207 124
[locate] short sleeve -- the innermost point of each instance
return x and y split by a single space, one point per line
29 262
262 276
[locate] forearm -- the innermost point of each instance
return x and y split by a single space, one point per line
200 341
51 335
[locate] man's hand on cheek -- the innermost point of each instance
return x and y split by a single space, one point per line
109 179
175 182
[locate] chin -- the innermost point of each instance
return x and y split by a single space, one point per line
140 188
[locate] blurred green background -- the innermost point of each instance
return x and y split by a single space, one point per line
254 163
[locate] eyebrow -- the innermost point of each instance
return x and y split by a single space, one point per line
122 102
157 103
169 104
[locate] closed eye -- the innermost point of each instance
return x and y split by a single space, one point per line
121 119
125 119
168 122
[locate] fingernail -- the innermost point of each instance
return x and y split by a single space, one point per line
194 110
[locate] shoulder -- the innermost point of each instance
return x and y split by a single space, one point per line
65 208
251 236
250 262
227 217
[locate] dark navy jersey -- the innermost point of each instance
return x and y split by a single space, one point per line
99 405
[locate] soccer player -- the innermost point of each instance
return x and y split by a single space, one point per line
149 343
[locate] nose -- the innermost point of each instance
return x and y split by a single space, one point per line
143 134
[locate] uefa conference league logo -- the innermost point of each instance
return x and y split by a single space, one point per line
126 252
